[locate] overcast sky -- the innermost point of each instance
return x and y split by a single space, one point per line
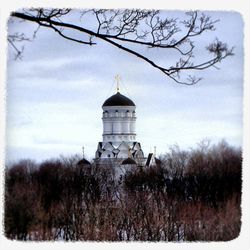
55 94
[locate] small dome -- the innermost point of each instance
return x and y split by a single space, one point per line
83 162
129 161
118 100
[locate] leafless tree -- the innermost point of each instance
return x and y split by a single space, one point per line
61 200
127 28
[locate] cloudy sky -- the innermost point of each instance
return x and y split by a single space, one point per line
55 94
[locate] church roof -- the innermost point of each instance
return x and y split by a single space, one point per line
150 155
128 161
150 158
118 100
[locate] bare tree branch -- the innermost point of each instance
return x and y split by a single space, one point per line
17 37
122 28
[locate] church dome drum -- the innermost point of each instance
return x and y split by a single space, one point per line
119 132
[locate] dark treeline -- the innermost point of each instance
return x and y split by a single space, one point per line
192 195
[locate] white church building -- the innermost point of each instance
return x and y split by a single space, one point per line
119 145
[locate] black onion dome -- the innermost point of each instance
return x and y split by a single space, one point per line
128 161
118 100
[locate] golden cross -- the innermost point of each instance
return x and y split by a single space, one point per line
117 78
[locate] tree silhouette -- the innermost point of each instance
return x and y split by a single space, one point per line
128 28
